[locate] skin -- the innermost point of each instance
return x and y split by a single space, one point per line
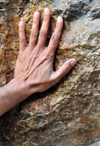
34 66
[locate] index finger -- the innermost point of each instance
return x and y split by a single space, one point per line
56 35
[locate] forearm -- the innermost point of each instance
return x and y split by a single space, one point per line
12 93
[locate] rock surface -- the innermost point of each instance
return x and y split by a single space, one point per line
68 114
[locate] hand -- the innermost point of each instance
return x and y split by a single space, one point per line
35 62
34 66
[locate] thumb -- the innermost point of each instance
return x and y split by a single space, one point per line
64 69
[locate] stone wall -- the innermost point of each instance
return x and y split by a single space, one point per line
68 114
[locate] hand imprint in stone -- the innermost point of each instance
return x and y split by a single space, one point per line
35 62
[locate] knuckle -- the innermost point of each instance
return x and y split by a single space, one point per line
22 39
20 57
55 38
49 55
34 35
43 33
21 30
35 22
59 25
45 56
56 80
45 19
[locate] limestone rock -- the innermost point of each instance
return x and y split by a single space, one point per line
68 114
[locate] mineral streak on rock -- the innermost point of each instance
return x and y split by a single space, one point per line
69 113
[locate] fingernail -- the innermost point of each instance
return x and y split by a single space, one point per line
37 14
59 19
46 11
73 62
21 23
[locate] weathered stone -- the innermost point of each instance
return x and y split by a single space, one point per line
68 113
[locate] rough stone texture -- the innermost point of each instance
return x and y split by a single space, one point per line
68 114
96 144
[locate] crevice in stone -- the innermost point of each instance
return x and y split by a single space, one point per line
95 14
1 7
90 1
76 11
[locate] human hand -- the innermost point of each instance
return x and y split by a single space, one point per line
35 62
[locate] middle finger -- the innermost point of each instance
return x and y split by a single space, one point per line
44 28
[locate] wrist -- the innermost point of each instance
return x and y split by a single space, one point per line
13 93
20 87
